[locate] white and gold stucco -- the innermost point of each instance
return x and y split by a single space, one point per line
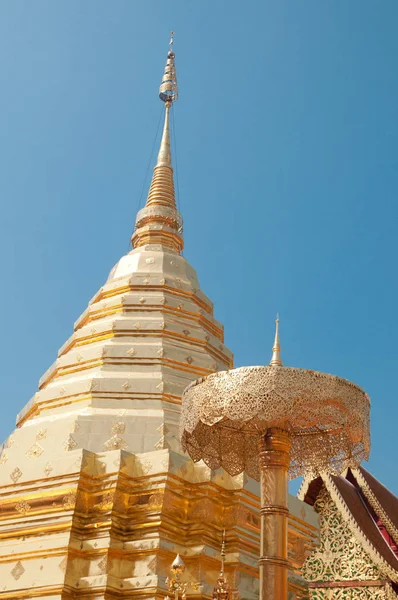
96 494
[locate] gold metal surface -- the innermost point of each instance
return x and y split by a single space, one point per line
164 156
159 222
276 349
168 91
176 586
225 414
334 511
119 511
267 421
343 566
222 589
274 461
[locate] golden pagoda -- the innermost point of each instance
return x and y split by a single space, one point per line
97 496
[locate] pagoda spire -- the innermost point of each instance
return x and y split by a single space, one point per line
276 360
159 222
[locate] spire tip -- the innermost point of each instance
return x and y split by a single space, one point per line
168 91
159 222
276 360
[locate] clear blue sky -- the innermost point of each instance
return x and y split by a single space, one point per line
287 138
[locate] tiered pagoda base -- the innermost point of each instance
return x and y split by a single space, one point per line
111 524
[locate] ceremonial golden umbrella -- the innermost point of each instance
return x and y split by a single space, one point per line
274 422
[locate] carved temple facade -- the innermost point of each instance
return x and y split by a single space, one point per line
357 558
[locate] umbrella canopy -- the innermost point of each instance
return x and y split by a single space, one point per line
225 415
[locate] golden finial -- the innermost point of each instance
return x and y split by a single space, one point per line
222 553
222 591
177 587
178 565
159 222
276 360
168 91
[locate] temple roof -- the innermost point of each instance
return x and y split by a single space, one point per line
368 507
381 499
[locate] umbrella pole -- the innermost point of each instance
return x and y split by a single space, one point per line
274 464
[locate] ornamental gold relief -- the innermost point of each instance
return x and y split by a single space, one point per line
17 571
22 507
16 474
48 469
361 593
62 565
340 556
106 502
41 434
118 427
69 500
116 443
103 565
35 451
156 500
70 443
